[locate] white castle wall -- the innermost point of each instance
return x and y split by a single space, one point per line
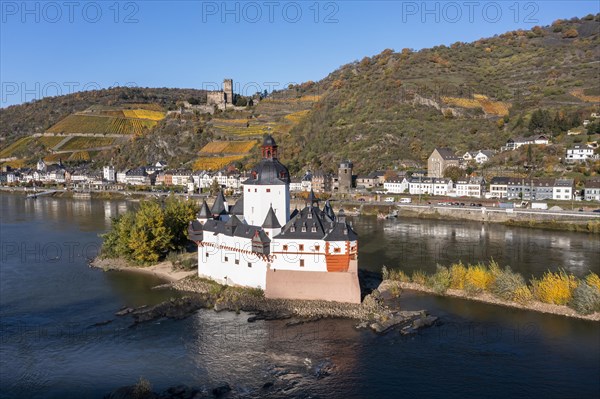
314 259
258 199
216 260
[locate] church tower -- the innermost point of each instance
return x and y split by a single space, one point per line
268 187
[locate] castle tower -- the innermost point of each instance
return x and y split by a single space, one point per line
345 176
268 186
228 91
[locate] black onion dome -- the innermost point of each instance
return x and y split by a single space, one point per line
269 141
269 172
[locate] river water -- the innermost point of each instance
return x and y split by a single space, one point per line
52 345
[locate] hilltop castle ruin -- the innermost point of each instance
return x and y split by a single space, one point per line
221 98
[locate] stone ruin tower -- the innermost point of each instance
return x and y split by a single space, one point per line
228 91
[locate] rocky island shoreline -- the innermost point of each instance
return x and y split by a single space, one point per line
373 312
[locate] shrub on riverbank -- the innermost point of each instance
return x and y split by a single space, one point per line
147 234
440 280
510 286
586 299
478 278
558 288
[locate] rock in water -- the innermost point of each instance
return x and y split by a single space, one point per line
222 390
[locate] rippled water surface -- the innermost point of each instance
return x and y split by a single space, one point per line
51 346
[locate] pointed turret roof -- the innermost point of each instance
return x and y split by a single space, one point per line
312 198
294 213
238 208
218 207
328 211
271 221
204 212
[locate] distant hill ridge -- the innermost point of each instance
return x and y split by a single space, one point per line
382 111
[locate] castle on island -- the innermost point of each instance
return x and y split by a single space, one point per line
311 253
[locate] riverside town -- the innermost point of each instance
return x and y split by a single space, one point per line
418 215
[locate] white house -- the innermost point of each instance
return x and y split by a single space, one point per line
122 176
592 190
307 182
41 166
513 144
296 184
310 254
442 186
498 187
469 155
108 173
483 156
420 185
137 177
396 186
580 153
471 187
563 189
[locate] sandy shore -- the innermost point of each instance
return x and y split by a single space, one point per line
163 270
489 298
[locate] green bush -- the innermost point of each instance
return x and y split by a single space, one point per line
148 234
419 277
507 284
586 299
440 280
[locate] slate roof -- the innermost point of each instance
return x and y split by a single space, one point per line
269 172
312 198
271 221
500 180
218 207
592 184
234 227
204 212
306 224
311 224
446 153
341 231
328 211
238 207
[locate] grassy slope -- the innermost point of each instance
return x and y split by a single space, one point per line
370 110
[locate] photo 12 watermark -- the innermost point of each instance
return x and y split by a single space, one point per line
454 12
52 252
21 92
253 12
53 12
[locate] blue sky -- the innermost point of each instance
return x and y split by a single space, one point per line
57 47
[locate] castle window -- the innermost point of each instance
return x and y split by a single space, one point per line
313 229
336 250
249 264
301 262
317 247
304 229
268 190
309 216
301 247
293 229
226 259
285 247
207 255
237 261
255 190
